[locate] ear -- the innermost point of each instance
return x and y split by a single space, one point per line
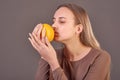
79 28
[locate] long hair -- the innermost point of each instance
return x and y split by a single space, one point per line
86 36
81 17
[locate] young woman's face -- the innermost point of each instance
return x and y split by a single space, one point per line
64 24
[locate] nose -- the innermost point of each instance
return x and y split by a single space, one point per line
54 25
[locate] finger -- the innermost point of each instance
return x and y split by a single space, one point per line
47 42
33 39
36 28
38 41
42 58
43 35
34 44
39 31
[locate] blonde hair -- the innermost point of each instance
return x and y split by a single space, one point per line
86 37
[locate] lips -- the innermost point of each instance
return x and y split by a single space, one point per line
56 34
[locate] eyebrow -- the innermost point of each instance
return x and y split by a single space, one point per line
60 18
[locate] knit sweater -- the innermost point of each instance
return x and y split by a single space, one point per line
94 66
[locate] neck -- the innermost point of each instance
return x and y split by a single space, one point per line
76 51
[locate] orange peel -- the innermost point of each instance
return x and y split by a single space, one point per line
49 31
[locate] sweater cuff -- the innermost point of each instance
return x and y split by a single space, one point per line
58 74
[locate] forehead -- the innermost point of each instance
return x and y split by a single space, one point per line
64 12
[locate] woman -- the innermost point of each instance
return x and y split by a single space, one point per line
81 58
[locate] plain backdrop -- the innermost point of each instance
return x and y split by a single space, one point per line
18 59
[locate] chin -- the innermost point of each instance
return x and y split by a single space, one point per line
57 39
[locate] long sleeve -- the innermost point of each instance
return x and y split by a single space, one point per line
100 69
42 71
59 74
45 73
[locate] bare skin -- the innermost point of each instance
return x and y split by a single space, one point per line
66 32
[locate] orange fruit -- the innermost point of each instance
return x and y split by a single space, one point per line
49 31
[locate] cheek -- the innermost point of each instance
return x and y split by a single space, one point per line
66 29
66 33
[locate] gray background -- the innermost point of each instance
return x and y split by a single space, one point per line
18 59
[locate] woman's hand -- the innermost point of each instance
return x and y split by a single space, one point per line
40 42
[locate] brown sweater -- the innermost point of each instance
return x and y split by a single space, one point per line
94 66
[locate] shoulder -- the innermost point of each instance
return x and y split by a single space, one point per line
102 53
100 56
